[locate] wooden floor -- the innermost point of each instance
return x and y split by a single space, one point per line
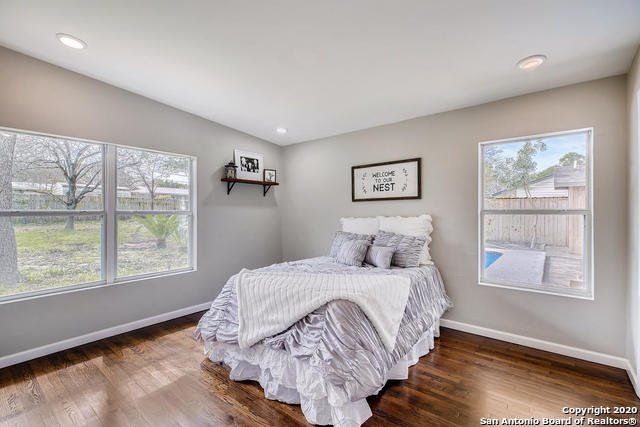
159 376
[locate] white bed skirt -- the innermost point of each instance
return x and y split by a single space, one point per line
290 380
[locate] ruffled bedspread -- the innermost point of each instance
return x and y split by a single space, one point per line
333 358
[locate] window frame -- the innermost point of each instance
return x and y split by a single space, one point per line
112 268
588 264
109 213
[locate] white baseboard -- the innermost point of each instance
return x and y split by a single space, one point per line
633 376
578 353
33 353
592 356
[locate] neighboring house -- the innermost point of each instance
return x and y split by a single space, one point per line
161 192
541 187
58 189
572 180
29 187
33 195
556 184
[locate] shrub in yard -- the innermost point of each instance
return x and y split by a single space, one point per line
161 227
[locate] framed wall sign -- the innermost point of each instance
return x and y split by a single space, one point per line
397 180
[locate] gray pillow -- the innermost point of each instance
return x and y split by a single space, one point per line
342 236
352 252
407 248
379 256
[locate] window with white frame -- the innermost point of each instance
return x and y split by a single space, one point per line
535 213
77 213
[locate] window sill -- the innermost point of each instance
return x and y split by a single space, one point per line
25 296
584 295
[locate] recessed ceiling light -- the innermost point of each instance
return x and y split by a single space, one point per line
281 130
533 61
70 41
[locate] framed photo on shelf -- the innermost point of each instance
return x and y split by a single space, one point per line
270 175
249 165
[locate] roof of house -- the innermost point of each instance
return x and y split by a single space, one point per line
163 191
567 176
555 184
59 188
541 187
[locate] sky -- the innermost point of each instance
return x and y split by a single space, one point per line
557 146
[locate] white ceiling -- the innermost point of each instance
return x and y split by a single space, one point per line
326 67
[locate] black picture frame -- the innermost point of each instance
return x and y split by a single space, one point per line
275 176
419 180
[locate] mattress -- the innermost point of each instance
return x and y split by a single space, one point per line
332 359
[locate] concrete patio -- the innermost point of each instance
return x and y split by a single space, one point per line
544 265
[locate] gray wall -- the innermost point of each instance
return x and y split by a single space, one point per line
297 219
241 230
318 193
633 296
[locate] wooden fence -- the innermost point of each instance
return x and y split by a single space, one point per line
551 230
43 202
34 202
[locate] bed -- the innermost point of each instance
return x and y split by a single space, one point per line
330 360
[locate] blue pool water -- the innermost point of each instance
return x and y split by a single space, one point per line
490 258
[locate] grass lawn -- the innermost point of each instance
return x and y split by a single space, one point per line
50 256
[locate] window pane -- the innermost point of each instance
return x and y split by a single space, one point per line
544 173
152 181
41 173
48 252
152 243
541 251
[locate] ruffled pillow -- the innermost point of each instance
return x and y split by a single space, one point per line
341 236
410 226
407 248
352 252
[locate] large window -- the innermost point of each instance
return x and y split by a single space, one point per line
77 213
535 213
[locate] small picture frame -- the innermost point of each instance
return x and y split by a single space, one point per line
270 175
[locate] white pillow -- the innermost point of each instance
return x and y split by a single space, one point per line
410 226
360 225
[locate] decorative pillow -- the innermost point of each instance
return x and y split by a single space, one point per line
379 256
407 248
352 252
340 237
410 226
360 225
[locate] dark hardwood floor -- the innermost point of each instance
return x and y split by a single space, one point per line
159 376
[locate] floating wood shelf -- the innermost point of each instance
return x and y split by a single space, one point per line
266 185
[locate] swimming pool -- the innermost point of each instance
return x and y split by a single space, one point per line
490 258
